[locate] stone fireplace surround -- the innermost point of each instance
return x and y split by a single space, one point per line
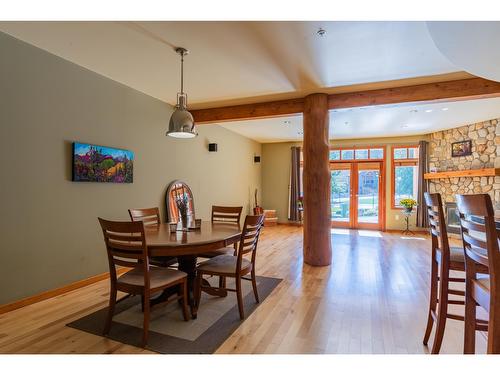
485 137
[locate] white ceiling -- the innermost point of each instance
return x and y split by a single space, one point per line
249 61
231 60
469 45
380 121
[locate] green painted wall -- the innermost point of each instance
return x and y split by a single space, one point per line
49 228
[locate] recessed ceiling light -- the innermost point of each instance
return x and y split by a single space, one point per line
445 108
428 110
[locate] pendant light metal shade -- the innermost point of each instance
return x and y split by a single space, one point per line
181 122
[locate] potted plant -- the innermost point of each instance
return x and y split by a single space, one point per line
408 204
182 203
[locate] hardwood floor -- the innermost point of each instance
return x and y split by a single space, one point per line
373 299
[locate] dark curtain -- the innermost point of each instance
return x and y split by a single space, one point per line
422 218
294 191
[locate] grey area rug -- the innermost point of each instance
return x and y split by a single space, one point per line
217 319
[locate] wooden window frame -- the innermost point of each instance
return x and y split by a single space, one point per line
383 171
397 163
383 196
354 148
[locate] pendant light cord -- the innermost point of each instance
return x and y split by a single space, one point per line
182 73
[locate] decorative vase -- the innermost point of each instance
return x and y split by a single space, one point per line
184 221
408 210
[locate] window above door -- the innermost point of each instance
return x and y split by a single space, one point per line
357 153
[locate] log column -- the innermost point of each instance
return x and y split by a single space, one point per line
316 184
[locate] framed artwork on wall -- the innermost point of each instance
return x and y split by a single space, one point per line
462 148
93 163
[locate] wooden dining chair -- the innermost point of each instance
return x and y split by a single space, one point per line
224 215
151 219
234 266
443 260
481 252
149 216
126 247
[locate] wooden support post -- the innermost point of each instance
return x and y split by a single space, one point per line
316 176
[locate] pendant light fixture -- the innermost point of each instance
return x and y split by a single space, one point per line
181 122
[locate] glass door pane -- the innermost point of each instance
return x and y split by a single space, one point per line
340 194
368 193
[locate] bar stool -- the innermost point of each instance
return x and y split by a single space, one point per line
444 259
481 255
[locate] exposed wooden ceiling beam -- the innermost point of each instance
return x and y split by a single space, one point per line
248 111
464 89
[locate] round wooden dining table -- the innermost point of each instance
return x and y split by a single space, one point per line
187 245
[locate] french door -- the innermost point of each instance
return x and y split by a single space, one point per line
357 195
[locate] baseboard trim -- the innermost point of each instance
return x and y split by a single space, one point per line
400 231
56 292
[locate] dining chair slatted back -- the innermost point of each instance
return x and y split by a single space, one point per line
226 215
437 223
149 216
250 236
479 238
151 219
125 244
480 241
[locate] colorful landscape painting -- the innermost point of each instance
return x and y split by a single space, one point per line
94 163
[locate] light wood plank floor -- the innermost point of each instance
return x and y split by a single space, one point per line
373 299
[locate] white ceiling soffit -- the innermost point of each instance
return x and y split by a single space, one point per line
471 46
380 121
231 60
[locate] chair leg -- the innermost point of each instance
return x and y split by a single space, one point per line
197 291
240 297
469 317
147 309
111 310
493 333
442 311
235 249
184 300
254 286
432 300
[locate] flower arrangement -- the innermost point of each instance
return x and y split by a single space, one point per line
182 203
408 203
